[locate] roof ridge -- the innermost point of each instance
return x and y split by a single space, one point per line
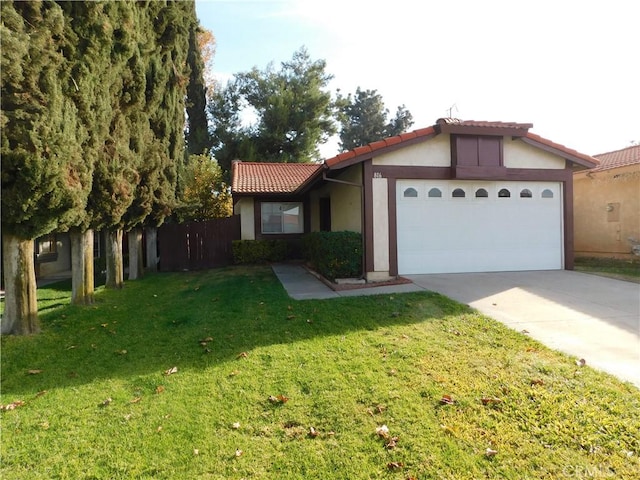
617 150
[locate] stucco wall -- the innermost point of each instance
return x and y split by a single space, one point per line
244 208
606 211
63 263
346 201
518 154
434 152
380 225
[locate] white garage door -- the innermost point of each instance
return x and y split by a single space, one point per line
466 226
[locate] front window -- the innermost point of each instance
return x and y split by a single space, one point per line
282 217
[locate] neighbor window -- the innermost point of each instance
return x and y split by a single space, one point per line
47 245
282 217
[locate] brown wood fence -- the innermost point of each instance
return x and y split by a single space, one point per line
197 245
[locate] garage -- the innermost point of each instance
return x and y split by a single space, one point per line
452 226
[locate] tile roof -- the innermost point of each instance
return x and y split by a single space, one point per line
268 178
484 124
618 158
365 151
571 154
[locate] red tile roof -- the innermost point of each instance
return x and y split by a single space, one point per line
484 124
619 158
268 178
558 149
365 151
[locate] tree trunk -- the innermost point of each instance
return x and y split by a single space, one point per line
152 249
82 286
136 265
115 264
20 304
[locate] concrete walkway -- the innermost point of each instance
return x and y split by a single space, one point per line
583 315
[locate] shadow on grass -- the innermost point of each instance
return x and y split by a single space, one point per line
161 321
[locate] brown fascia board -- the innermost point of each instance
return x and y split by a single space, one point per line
381 151
477 130
311 181
583 162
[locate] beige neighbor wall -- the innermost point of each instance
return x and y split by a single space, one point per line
346 202
63 263
244 208
606 212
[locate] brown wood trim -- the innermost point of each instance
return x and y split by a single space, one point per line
477 130
431 173
367 180
560 153
445 173
257 217
568 223
393 227
380 151
479 172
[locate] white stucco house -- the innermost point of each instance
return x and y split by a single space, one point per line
458 196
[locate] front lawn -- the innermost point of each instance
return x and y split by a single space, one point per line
219 375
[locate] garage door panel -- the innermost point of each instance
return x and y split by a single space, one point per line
448 235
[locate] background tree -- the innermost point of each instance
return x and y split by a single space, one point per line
45 181
294 113
206 194
197 128
364 119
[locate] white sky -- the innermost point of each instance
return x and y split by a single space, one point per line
569 67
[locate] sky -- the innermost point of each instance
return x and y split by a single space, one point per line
569 67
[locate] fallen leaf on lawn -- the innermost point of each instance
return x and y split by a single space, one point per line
290 317
239 453
382 431
159 429
392 372
395 465
71 347
104 325
234 373
196 451
448 429
490 452
127 417
105 402
581 363
490 400
243 355
12 405
159 389
171 371
405 337
447 400
236 425
524 331
206 340
41 393
391 444
136 400
289 307
331 433
121 352
531 349
313 433
34 372
537 381
44 425
278 399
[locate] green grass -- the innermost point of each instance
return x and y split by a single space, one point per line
610 267
347 366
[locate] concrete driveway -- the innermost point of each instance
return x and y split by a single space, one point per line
588 316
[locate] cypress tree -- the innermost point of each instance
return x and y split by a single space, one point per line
45 180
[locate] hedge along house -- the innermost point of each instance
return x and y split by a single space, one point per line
459 196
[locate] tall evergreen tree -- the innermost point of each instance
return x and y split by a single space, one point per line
197 129
45 181
364 119
293 108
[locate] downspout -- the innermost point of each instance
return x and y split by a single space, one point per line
362 233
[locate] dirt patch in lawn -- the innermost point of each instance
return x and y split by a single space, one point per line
355 286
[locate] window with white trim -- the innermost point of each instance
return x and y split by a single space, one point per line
526 193
435 193
410 193
458 193
482 193
546 193
504 193
281 217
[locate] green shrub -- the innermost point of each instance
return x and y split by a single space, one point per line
334 254
258 251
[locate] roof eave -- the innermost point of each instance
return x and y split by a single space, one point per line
577 158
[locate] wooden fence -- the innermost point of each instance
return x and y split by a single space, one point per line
197 245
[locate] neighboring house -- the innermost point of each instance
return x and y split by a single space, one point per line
607 206
459 196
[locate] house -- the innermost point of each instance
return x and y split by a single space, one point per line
458 196
607 206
